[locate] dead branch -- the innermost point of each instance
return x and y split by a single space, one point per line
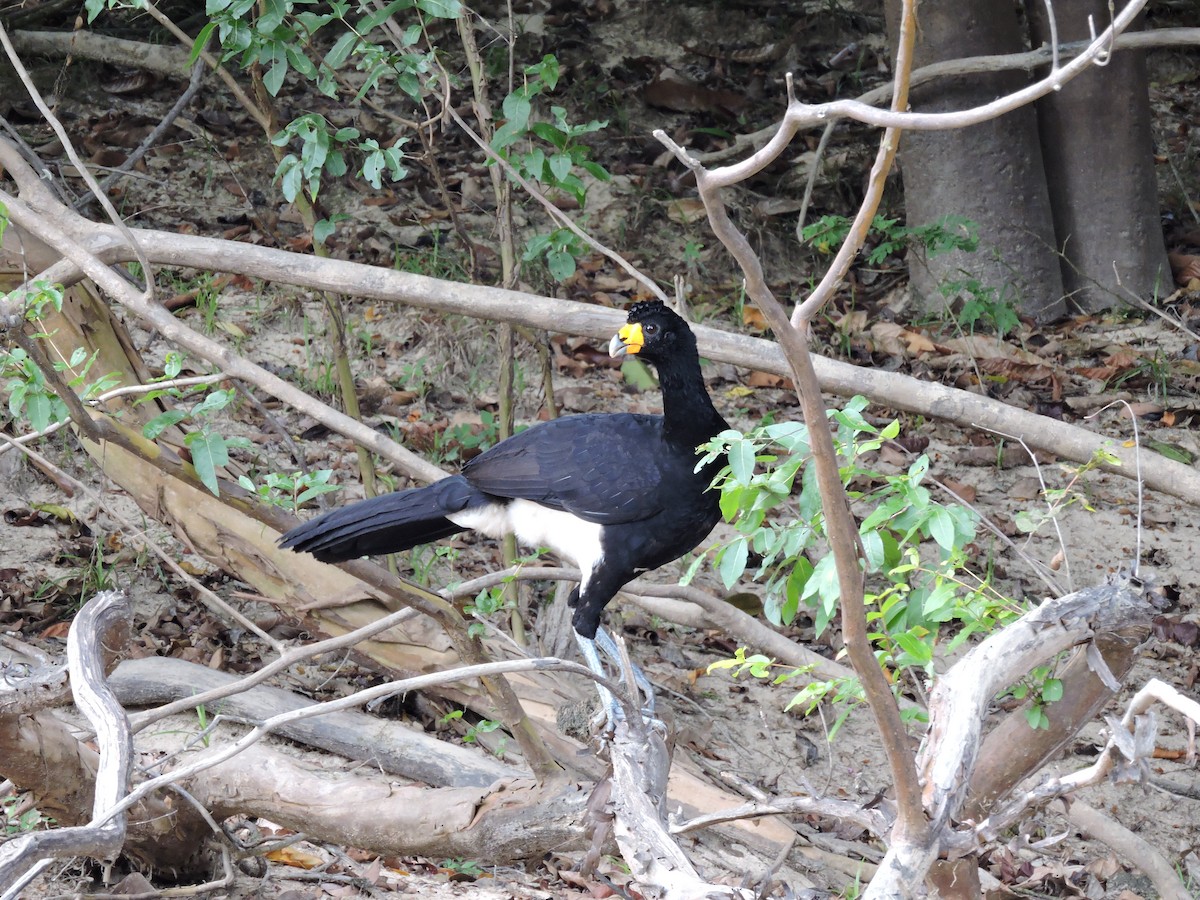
1128 738
390 746
1134 849
46 757
498 824
998 768
498 821
103 622
639 781
872 820
959 701
691 606
805 115
103 48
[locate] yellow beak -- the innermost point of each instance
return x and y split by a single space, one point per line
628 340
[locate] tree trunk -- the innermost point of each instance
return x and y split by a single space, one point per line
991 173
1096 143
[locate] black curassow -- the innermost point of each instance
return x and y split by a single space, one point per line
616 493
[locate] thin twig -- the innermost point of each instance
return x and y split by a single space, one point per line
1050 508
17 441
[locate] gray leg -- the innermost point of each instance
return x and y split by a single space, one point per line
609 648
611 708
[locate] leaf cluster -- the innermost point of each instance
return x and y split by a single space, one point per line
889 238
913 546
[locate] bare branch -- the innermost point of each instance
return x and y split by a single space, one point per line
871 820
960 699
1134 849
712 611
101 620
804 115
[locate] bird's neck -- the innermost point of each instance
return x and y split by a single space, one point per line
689 416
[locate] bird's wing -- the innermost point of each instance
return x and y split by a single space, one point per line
604 468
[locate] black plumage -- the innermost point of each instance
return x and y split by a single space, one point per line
615 493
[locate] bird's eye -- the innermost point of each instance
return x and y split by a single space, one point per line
651 329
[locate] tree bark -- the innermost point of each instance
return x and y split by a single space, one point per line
991 173
1098 153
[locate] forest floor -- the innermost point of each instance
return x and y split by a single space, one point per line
433 382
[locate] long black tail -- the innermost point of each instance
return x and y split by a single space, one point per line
385 524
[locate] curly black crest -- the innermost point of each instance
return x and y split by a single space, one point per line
644 309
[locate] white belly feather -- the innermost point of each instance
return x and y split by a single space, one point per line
536 526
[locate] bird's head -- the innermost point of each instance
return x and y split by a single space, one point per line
652 331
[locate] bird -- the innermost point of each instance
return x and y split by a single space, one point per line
618 494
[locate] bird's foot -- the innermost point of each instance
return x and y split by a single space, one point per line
610 649
611 711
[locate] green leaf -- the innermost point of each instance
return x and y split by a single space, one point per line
560 165
637 374
443 9
550 133
325 228
517 109
535 164
506 134
272 15
596 170
941 527
545 70
797 579
214 401
919 653
731 496
17 391
561 264
1037 718
39 409
1171 451
873 550
741 461
733 561
162 422
291 179
209 453
199 44
823 585
939 605
1052 690
377 17
236 37
274 76
341 50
